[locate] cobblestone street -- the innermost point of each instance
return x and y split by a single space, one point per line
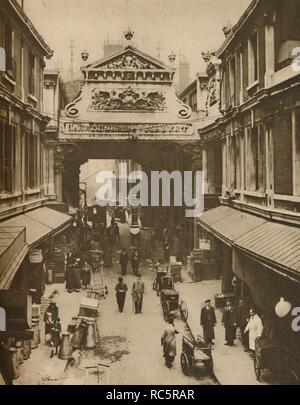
130 343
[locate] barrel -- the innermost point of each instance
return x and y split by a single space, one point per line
90 341
26 349
65 349
20 356
79 335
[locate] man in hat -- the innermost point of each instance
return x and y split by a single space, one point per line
138 291
168 341
230 322
208 322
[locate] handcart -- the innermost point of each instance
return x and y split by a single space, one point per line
195 352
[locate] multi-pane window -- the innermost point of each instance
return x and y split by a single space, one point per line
8 45
287 31
7 157
31 145
31 73
232 83
253 58
256 159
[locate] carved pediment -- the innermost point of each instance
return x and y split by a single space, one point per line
129 59
128 100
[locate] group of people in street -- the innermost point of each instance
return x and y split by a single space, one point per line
52 328
134 259
78 273
242 317
137 292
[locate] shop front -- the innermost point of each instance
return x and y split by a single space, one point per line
260 262
22 239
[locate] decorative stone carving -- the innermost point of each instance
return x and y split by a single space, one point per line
227 29
71 109
185 111
49 84
128 100
207 56
129 61
212 97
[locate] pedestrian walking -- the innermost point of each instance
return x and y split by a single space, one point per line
254 327
229 322
70 282
86 274
51 314
121 290
117 232
242 316
166 246
124 259
208 322
77 275
168 341
135 262
138 291
152 241
55 337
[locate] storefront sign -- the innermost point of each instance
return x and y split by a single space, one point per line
36 256
296 320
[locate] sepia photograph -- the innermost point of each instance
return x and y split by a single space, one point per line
149 195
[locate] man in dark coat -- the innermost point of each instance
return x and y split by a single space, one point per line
208 321
121 289
135 262
229 322
124 259
55 337
242 315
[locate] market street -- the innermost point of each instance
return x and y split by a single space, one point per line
132 343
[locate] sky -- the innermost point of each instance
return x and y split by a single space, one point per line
182 26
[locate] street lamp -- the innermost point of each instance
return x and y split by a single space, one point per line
282 308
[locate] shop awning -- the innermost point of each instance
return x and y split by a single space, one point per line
228 223
21 233
275 244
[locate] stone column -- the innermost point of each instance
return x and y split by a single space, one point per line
205 170
268 125
270 51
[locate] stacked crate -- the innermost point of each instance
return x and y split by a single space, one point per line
175 272
196 265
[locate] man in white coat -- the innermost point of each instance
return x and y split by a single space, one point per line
254 327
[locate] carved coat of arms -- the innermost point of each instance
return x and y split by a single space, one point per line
128 100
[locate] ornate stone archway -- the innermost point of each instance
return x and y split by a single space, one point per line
127 108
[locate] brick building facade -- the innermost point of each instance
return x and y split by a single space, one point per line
25 180
251 151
